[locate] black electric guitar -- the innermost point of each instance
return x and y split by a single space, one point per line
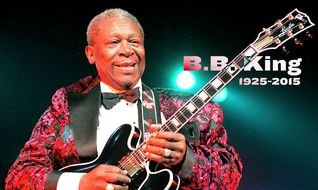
122 150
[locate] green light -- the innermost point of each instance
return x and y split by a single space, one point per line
221 96
185 80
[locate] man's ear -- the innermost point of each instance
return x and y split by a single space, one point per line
89 51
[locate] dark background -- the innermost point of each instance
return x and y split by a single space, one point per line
273 128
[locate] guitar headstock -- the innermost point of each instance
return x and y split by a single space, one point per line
284 29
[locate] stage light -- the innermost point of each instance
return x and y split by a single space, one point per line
221 96
185 80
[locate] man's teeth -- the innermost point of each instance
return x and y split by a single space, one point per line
128 67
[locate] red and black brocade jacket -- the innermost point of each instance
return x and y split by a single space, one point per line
60 138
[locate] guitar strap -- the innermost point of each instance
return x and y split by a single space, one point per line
148 110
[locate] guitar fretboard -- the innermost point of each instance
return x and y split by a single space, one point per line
137 159
270 38
209 91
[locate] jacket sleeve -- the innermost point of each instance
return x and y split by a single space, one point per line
34 163
217 165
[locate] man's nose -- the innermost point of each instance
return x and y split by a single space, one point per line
126 49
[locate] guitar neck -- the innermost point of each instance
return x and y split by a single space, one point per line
283 30
272 37
209 91
137 158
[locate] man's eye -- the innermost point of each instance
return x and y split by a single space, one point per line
135 42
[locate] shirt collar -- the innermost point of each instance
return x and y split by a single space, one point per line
106 88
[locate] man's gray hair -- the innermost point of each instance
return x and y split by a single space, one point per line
94 25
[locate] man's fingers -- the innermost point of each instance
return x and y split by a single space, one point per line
170 136
114 174
155 126
111 169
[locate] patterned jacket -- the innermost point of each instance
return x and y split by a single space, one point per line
61 137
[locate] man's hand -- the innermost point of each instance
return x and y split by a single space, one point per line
104 177
167 148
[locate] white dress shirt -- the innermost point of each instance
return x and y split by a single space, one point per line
109 120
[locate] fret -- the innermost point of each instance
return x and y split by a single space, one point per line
169 126
246 56
175 122
225 77
186 113
210 89
190 108
240 63
128 164
203 96
197 102
139 157
181 118
217 83
232 69
135 160
142 154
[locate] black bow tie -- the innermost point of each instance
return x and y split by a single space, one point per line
111 99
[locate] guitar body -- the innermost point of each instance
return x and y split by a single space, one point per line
120 143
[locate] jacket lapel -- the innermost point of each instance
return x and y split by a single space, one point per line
84 112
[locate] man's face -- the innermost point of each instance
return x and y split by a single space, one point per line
118 53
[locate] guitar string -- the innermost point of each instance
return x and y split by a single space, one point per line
139 157
284 23
126 161
276 27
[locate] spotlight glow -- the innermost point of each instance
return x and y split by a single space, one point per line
221 96
185 80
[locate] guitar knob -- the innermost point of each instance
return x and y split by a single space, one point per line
285 50
298 42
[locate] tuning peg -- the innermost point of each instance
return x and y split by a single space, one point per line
301 26
290 17
309 35
289 33
279 23
285 50
267 31
277 41
298 42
